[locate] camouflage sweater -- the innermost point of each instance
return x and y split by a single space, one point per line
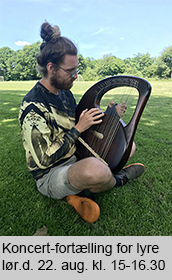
47 122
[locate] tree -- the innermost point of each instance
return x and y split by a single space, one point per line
12 72
151 71
82 63
140 63
167 57
110 66
90 62
5 54
22 64
164 63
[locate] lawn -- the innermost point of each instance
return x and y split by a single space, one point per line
143 207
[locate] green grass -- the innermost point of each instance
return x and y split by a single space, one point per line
142 207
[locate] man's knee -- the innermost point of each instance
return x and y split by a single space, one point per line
90 173
96 171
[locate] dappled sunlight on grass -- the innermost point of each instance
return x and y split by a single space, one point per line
149 121
14 109
8 120
152 123
6 103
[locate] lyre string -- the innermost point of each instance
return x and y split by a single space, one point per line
110 130
112 127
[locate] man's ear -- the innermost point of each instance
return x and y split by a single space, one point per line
50 67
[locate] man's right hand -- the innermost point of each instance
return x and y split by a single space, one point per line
89 118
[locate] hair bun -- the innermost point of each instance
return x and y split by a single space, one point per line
56 33
49 33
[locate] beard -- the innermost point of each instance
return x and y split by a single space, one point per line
63 85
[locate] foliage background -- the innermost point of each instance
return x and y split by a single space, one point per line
21 65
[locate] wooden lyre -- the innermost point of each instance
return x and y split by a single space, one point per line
110 141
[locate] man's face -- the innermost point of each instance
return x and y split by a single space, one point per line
62 79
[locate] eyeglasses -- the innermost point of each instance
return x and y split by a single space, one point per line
71 74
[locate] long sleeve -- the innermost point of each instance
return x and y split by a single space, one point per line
47 144
48 133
